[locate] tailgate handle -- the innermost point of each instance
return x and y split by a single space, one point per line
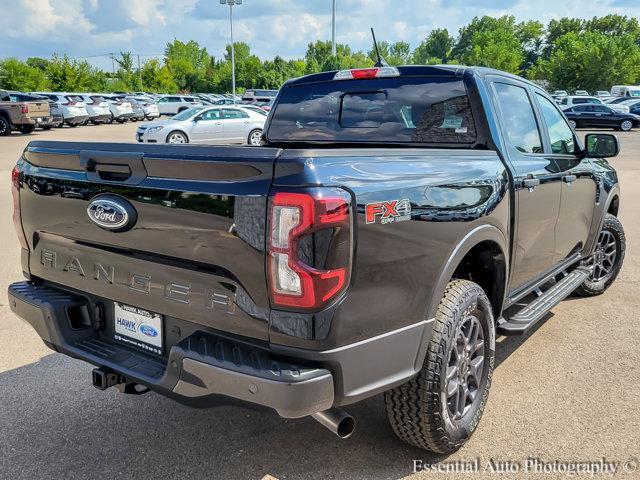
125 168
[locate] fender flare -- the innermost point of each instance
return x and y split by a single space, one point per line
599 214
471 239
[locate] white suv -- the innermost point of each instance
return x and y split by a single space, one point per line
172 104
572 100
121 110
74 113
97 107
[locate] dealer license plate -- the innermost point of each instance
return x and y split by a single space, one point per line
138 327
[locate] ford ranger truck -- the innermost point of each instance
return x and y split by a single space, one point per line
394 221
21 116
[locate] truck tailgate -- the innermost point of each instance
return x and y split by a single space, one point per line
38 109
195 250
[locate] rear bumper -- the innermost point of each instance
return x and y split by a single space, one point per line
77 119
208 368
200 371
100 118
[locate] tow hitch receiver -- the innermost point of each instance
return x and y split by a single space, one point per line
103 378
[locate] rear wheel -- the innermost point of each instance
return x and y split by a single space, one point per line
177 137
72 125
255 138
5 127
47 127
626 125
26 129
440 408
607 258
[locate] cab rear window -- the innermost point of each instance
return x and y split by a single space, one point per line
395 110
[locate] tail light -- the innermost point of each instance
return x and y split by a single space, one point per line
24 107
16 184
310 247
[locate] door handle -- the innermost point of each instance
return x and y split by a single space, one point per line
569 179
530 183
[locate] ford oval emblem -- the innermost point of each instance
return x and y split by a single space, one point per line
148 330
112 213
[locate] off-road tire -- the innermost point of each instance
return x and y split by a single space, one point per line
5 126
26 129
418 410
591 286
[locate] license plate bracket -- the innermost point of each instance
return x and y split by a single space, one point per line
138 327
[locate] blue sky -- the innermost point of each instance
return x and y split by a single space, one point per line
89 28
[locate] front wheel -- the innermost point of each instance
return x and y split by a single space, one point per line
72 125
606 261
177 137
255 138
441 406
626 125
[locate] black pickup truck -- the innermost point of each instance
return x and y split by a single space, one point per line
393 223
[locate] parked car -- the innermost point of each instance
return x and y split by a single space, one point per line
121 109
260 95
46 123
581 93
396 222
567 102
23 116
559 93
172 104
602 94
149 107
600 116
97 107
268 106
254 108
615 100
74 113
633 104
625 91
213 125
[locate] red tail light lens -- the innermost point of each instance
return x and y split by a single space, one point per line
25 108
306 272
16 184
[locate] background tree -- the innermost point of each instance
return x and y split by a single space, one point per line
16 75
436 48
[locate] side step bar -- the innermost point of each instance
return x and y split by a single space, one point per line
527 317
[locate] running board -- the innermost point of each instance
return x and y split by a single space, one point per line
527 317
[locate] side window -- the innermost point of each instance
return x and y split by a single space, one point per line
564 101
560 134
163 100
578 101
230 114
518 118
211 115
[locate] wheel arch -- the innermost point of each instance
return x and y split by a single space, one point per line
482 256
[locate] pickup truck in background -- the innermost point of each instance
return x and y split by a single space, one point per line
22 116
393 223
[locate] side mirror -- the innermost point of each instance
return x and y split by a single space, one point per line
197 119
601 145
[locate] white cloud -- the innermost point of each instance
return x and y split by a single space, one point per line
271 27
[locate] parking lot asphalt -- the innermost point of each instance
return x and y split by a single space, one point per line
569 392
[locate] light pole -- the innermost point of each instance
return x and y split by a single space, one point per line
231 3
333 30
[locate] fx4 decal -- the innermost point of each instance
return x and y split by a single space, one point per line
388 212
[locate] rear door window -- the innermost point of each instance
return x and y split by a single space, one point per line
409 110
518 119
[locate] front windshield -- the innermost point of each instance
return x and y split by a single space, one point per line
187 114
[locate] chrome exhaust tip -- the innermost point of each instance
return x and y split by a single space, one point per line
336 420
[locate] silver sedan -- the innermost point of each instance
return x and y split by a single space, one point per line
214 125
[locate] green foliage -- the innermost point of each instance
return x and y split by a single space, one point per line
569 53
592 61
17 75
434 49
